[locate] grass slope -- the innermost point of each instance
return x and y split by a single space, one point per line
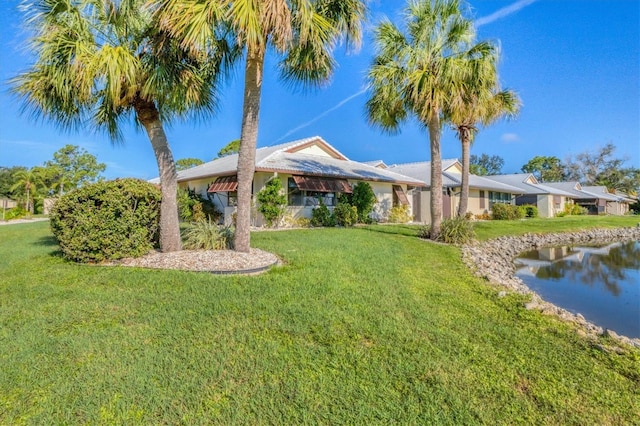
359 327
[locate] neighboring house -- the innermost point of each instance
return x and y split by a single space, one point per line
549 200
483 192
596 199
309 169
614 204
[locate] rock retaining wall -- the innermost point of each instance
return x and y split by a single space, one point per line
494 261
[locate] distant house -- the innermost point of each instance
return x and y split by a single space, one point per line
483 192
548 199
309 169
596 199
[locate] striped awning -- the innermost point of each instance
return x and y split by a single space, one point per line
317 184
402 197
224 184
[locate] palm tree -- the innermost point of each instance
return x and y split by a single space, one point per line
29 181
415 73
304 32
103 62
478 100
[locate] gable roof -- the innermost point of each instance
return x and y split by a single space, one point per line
291 158
451 176
421 170
528 184
602 193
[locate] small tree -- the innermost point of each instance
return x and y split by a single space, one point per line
272 202
363 198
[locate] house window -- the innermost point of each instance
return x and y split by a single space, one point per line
557 200
300 194
232 198
399 197
482 200
499 197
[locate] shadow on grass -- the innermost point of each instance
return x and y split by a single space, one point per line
50 242
405 230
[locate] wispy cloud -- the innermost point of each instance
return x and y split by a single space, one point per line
323 114
505 11
509 138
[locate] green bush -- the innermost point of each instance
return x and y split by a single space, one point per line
15 213
321 216
457 230
207 235
507 211
193 207
272 202
399 214
531 211
107 220
363 198
345 214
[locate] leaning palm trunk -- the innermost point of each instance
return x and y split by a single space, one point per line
436 174
248 143
465 138
148 116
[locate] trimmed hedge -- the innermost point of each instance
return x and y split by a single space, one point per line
107 220
507 212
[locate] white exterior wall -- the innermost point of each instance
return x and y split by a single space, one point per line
383 192
384 195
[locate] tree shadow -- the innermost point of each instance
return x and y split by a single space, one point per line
393 229
49 241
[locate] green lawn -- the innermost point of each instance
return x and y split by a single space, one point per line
361 326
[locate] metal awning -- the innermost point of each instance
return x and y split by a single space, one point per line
402 197
224 184
308 183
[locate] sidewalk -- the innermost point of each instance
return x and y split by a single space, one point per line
16 221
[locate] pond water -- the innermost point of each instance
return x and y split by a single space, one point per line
602 283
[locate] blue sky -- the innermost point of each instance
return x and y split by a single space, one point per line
575 64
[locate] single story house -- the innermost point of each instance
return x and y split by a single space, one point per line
548 199
483 192
309 169
596 199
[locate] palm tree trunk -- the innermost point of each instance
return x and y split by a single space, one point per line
248 143
148 116
436 174
465 138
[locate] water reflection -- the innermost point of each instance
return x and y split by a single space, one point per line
608 274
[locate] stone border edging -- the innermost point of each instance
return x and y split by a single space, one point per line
252 271
493 260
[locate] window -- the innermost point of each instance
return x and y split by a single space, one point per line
557 200
499 197
308 191
482 200
232 198
399 197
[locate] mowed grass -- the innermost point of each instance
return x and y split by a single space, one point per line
358 327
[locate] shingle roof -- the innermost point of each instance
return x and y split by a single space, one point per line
601 192
518 180
422 171
277 158
449 179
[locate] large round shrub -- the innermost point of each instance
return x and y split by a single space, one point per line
107 220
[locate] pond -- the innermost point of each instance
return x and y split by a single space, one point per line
602 283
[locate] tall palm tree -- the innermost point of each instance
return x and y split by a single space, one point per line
29 181
416 71
478 100
103 62
304 32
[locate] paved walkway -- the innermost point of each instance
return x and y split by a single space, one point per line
17 221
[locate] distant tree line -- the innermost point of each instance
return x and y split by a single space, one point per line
597 167
70 168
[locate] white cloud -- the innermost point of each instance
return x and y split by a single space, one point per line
319 116
505 11
509 138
